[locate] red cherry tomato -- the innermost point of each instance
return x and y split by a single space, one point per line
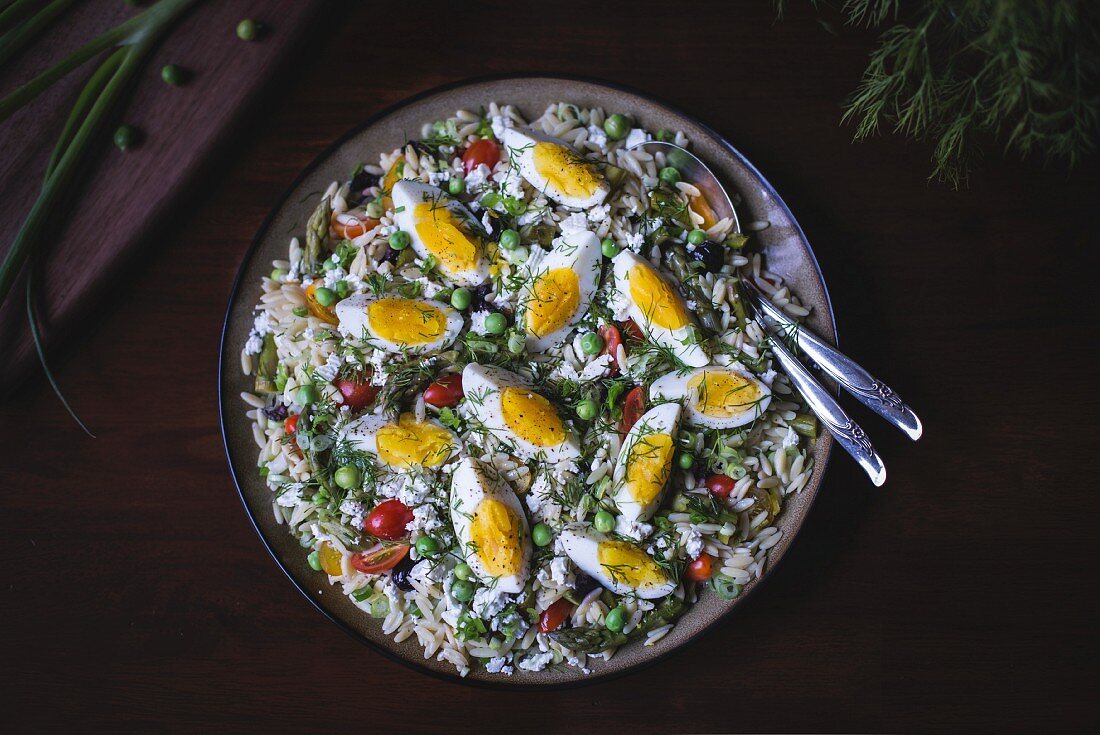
483 151
357 394
633 408
720 485
291 424
699 570
388 520
611 341
553 616
378 559
445 392
632 330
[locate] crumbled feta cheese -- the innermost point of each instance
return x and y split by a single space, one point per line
498 665
425 520
387 230
487 222
261 327
331 367
488 602
599 214
536 661
790 439
635 241
478 178
290 496
596 369
576 222
693 543
634 529
435 178
597 136
636 136
477 322
768 377
500 123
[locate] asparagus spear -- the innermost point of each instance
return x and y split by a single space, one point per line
267 366
593 640
316 232
677 261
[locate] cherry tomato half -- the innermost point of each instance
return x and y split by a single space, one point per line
632 330
291 424
388 520
633 408
483 151
445 392
357 394
611 341
553 616
378 559
720 485
348 225
698 570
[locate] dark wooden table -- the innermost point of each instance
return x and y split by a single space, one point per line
137 597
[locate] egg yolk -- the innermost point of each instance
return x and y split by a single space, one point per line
406 321
555 296
330 559
627 564
410 442
660 305
565 170
495 534
648 466
445 237
723 394
531 417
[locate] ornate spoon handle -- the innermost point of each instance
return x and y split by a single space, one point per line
868 390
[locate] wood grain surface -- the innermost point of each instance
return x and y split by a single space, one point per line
960 597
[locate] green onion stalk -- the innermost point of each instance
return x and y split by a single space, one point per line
93 109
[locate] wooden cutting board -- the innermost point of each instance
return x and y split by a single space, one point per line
125 199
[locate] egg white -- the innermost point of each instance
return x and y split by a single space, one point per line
471 483
582 545
578 251
520 145
483 387
683 341
662 419
675 385
355 322
407 195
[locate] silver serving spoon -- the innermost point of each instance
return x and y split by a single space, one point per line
873 393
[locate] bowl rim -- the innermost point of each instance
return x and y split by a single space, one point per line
504 684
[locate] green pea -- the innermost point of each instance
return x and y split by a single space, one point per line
347 476
325 296
342 289
516 343
124 137
588 410
319 497
685 460
328 264
591 343
669 175
541 534
278 274
615 619
374 210
427 546
456 185
172 74
300 311
496 323
697 237
509 239
463 571
604 522
400 240
617 126
307 395
665 136
460 298
610 249
246 30
314 560
462 590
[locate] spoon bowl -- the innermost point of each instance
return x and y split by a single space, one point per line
696 173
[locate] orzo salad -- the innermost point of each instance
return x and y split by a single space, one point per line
507 397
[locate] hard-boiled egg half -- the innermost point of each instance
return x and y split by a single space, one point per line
393 324
554 167
657 309
559 289
491 527
516 415
645 462
619 566
443 228
403 443
716 397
